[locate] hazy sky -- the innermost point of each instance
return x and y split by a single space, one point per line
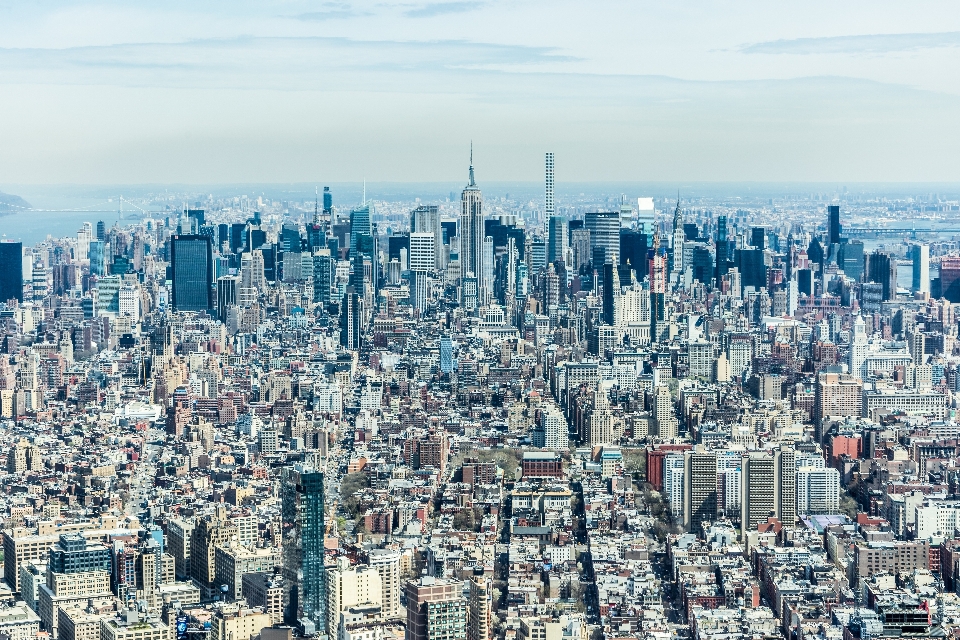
234 91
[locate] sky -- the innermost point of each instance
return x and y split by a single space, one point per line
294 91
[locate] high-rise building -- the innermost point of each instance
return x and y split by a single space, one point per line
303 549
700 486
211 530
423 252
604 228
323 273
882 268
818 490
769 487
471 230
834 222
758 484
349 586
446 354
387 563
351 320
837 395
426 219
478 626
723 248
678 237
11 271
557 235
658 287
436 609
191 264
359 225
548 203
858 347
227 287
920 254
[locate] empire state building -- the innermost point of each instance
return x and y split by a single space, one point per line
471 241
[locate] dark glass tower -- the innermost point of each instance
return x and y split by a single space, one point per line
11 271
834 215
723 248
303 549
191 264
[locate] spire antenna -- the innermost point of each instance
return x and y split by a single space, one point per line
473 182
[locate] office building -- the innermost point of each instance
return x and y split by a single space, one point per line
210 531
882 268
837 395
472 231
604 228
436 609
446 354
723 248
191 265
323 276
303 548
768 487
11 271
833 213
678 238
351 320
818 491
557 239
359 225
73 554
700 487
423 256
227 287
920 255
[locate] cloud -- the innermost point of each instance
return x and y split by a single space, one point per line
274 62
332 11
442 8
876 44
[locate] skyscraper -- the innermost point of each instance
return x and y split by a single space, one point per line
678 239
833 212
548 205
557 238
920 254
327 201
700 485
758 483
98 257
426 219
351 312
303 534
604 227
11 271
359 225
191 263
658 287
471 230
723 248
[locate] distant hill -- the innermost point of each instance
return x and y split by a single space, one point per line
12 204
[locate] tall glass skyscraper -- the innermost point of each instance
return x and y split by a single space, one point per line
191 264
359 225
11 271
303 548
